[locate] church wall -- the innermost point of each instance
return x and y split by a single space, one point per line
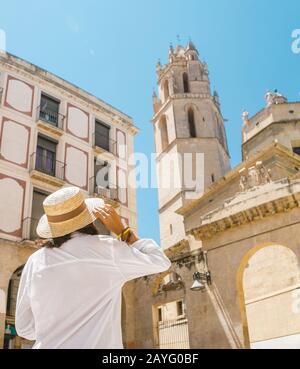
215 317
287 134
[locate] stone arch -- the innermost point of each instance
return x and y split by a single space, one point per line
193 106
198 118
267 273
162 277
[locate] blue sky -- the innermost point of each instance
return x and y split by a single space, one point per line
110 48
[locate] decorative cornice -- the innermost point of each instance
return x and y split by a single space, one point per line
177 249
178 97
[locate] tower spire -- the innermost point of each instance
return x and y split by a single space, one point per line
191 46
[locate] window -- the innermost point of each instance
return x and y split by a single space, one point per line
191 120
49 110
186 88
212 178
46 156
166 90
164 133
160 315
296 150
102 133
179 306
171 229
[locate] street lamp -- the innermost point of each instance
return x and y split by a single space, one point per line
200 280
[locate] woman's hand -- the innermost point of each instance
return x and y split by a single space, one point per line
110 218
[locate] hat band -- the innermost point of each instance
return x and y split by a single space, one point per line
64 217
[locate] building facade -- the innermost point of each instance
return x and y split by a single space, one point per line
238 243
53 134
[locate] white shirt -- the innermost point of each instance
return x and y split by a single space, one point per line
70 297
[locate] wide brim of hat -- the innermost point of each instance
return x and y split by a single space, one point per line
44 230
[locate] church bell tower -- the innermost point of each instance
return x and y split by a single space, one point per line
187 120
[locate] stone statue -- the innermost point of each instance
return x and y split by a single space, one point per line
245 116
254 176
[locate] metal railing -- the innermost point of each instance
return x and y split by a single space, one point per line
107 190
51 117
47 165
29 229
105 143
173 334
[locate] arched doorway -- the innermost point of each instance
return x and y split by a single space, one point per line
11 339
268 288
169 315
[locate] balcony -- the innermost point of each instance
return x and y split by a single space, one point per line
44 168
103 144
109 193
29 229
50 121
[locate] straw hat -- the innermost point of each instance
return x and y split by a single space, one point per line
66 211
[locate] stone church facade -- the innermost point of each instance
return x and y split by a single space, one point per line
238 243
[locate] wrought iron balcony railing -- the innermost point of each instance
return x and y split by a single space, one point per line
104 143
108 191
50 117
47 165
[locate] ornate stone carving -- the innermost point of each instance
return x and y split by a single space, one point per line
254 176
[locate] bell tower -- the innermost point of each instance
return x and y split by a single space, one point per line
187 121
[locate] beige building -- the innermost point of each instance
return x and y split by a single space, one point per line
53 134
237 243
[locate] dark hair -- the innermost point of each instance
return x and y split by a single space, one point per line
58 241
